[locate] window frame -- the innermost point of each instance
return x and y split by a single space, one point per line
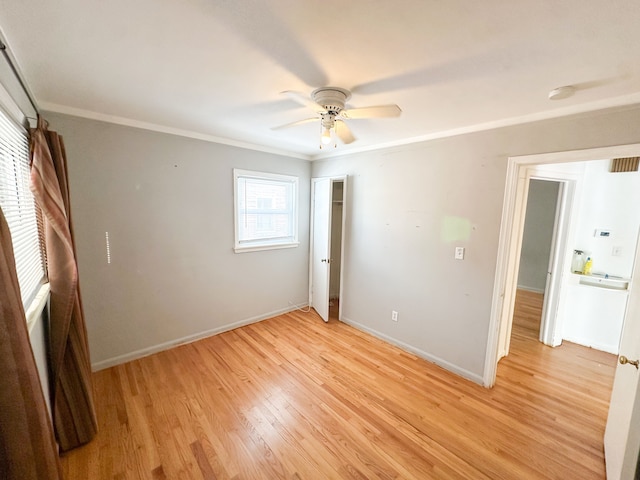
253 245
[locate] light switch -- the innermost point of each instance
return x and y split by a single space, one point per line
459 253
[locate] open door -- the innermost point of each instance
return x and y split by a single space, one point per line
549 333
321 246
622 434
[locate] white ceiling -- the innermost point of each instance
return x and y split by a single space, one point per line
215 68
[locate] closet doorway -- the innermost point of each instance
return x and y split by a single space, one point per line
326 270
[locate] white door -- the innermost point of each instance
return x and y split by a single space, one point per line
321 246
622 434
554 272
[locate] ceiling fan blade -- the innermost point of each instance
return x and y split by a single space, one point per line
344 132
305 101
381 111
295 124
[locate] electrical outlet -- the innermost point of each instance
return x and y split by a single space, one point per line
394 315
459 253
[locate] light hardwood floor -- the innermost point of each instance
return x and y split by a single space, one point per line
295 398
527 313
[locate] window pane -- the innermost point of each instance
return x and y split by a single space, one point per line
265 209
18 206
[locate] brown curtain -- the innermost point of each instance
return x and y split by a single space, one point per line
74 416
28 450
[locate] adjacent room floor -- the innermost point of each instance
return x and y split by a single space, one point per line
295 398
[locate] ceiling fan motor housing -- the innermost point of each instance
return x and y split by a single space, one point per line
331 98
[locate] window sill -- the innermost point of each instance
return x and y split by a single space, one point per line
258 248
37 306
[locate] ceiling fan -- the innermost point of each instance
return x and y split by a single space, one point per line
328 103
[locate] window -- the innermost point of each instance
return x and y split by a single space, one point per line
18 206
266 207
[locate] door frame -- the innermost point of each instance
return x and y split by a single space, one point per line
557 262
333 179
510 238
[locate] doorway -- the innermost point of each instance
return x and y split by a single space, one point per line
326 269
587 310
536 255
519 171
335 267
550 220
620 445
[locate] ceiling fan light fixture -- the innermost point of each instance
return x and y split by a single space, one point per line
325 139
328 138
328 129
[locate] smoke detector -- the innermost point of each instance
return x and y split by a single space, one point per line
561 93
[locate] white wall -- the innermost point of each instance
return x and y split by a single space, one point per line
609 201
411 205
593 316
167 203
537 235
590 315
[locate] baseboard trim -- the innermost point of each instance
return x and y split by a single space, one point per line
531 289
144 352
596 346
416 351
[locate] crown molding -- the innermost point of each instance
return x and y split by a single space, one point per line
622 101
128 122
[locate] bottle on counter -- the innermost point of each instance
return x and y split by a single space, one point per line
588 265
577 263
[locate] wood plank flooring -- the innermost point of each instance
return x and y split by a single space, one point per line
527 313
295 398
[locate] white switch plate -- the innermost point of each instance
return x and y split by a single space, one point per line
616 251
394 315
459 253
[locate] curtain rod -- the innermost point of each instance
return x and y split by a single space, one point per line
13 68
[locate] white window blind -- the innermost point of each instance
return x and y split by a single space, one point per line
18 206
266 210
